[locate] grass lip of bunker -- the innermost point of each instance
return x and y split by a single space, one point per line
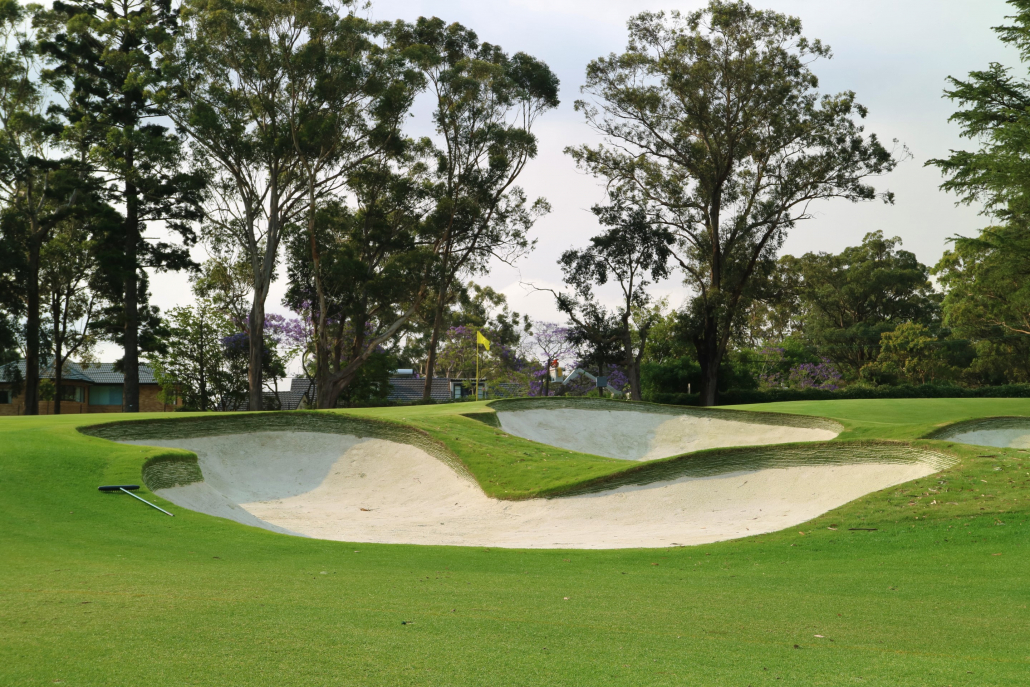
341 477
645 431
997 432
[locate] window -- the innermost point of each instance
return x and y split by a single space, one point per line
105 395
5 396
73 393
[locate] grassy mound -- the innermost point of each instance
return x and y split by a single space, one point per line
921 584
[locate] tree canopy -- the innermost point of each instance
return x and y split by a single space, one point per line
713 125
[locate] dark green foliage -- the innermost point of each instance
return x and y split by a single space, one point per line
985 277
480 307
371 385
987 282
845 302
735 397
370 273
658 381
39 186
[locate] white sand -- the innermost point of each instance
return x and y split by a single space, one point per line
1016 437
369 490
630 435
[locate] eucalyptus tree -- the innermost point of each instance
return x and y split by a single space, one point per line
38 184
280 100
712 122
349 144
363 269
633 253
110 53
486 104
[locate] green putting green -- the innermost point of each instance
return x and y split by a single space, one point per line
920 584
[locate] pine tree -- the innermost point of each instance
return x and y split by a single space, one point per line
110 53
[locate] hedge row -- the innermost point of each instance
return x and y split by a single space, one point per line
743 396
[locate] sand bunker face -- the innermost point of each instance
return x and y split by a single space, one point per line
631 435
347 488
1000 433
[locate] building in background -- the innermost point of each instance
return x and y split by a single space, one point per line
95 388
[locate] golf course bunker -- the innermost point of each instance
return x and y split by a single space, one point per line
1001 432
359 489
643 435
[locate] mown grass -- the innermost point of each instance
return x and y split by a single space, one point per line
100 590
900 418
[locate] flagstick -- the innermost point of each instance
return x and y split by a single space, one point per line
477 365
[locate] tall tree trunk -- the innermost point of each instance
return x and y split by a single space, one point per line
58 372
256 326
709 359
631 363
712 357
32 332
203 364
434 341
328 391
633 372
130 363
262 276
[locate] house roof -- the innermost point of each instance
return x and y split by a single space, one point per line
95 373
104 373
72 372
302 385
407 389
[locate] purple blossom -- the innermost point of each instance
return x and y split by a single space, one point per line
822 375
293 332
551 341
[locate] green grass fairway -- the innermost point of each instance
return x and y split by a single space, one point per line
932 589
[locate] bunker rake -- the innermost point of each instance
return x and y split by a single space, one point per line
128 489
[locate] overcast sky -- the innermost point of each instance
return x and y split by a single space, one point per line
895 55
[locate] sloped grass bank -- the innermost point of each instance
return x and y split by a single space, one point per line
753 416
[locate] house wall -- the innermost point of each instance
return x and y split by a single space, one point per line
148 403
17 407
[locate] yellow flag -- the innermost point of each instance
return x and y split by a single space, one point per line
480 339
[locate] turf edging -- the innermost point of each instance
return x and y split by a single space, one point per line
171 470
718 461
